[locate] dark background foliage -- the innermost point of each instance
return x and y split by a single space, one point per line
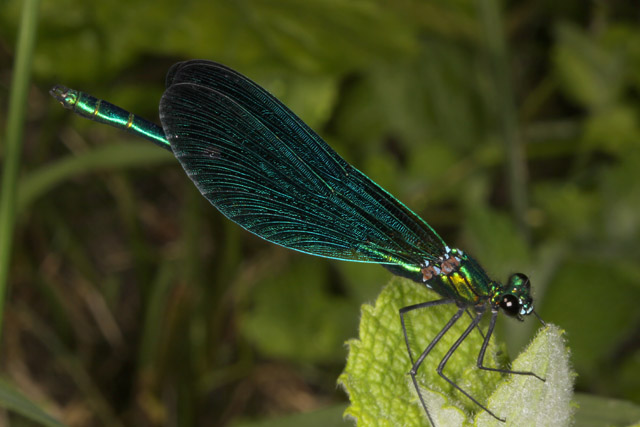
134 302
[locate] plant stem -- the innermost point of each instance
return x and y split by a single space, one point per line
492 26
13 147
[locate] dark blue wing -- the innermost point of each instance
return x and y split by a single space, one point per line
264 169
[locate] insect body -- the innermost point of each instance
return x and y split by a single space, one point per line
267 171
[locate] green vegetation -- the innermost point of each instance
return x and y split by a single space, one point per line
513 129
380 389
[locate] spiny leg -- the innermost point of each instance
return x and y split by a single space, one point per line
471 317
452 350
416 365
468 308
405 310
485 344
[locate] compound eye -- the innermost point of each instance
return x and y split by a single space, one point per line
519 279
510 305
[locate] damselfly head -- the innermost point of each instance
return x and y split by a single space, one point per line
514 298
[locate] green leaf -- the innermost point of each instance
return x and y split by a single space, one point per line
525 400
15 401
381 392
297 321
596 411
325 417
589 73
574 300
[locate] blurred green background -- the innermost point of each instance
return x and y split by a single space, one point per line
513 128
